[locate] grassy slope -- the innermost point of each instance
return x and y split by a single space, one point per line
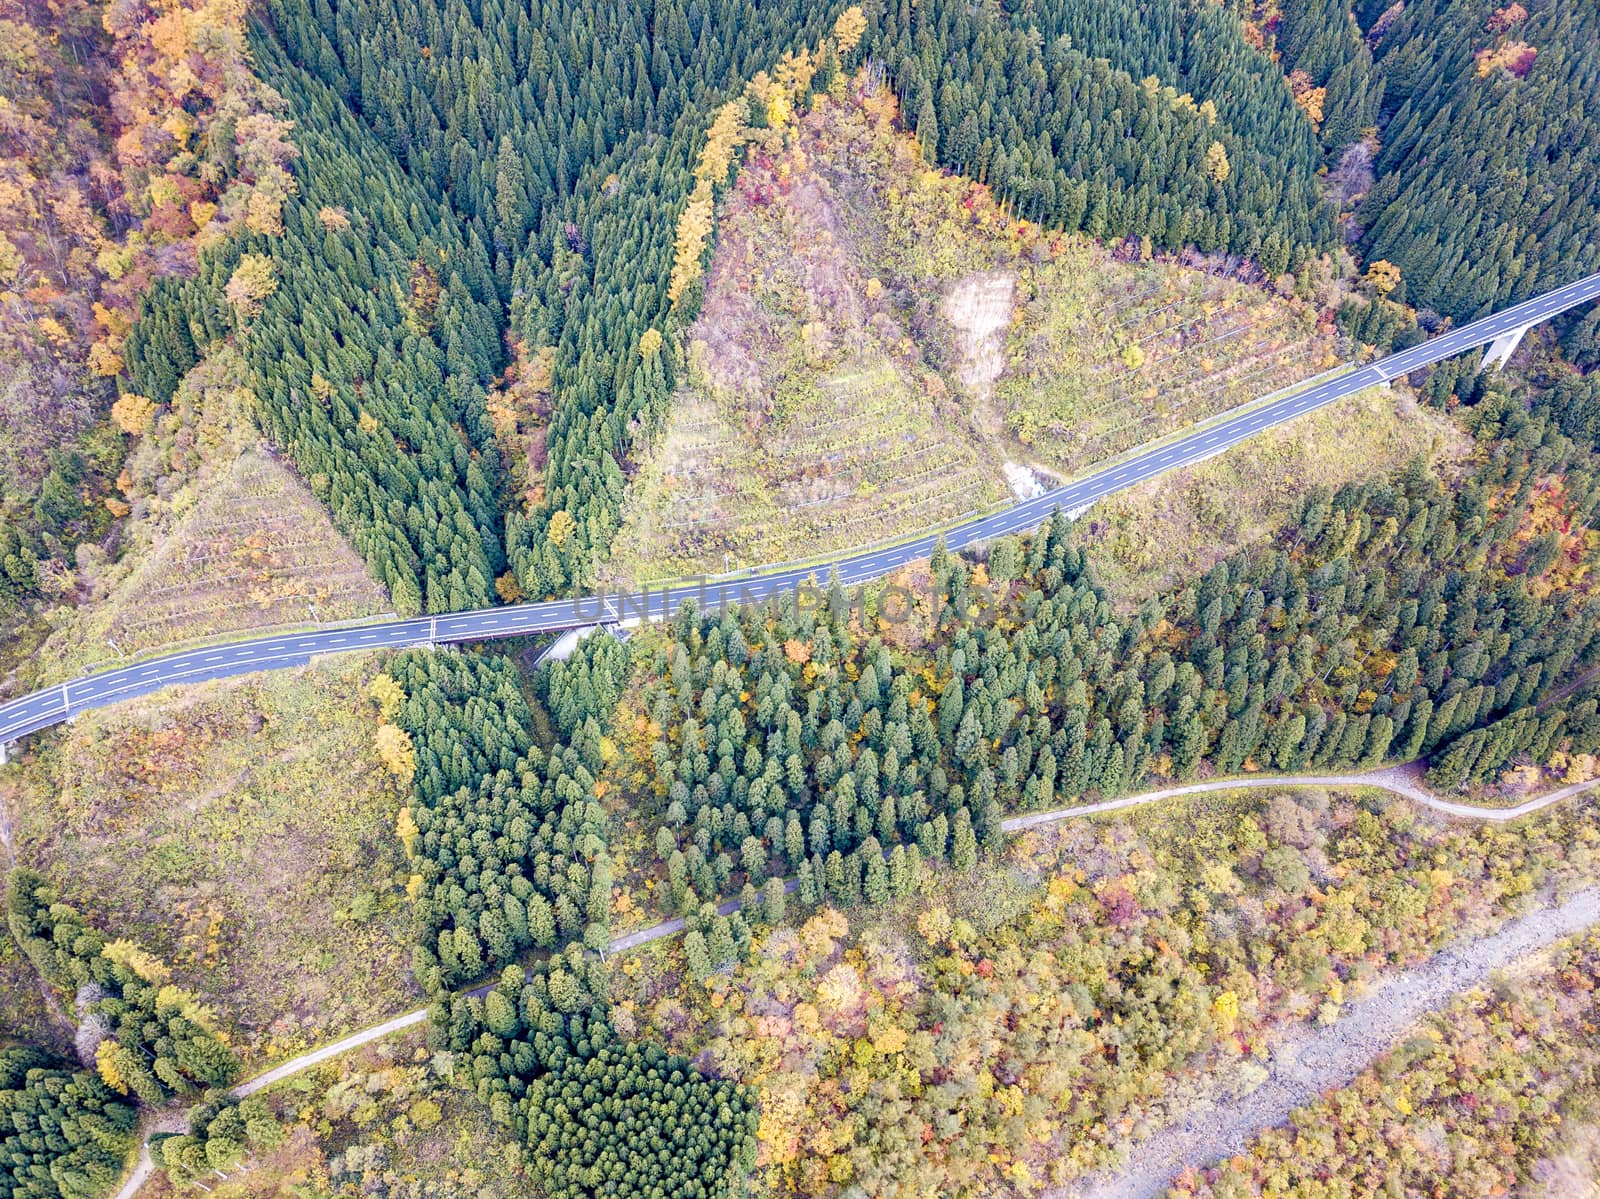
815 417
1181 524
256 550
877 339
225 538
1108 355
243 831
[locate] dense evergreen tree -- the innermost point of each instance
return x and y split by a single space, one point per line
370 353
592 118
63 1134
1395 619
511 848
154 1039
1061 126
1488 185
601 1116
1320 39
221 1130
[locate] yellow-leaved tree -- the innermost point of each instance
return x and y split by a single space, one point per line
722 139
146 965
694 227
795 70
1383 277
847 30
1225 1012
396 752
105 1062
405 827
779 106
253 280
561 527
387 693
133 413
1217 165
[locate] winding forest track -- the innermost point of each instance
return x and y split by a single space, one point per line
1382 780
1390 779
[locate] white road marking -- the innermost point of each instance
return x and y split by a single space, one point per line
660 604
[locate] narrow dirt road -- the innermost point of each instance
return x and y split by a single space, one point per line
318 1056
141 1171
1310 1061
167 1121
1392 780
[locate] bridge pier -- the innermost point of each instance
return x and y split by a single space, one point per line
5 751
1501 348
561 649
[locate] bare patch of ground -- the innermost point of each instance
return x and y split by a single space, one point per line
978 308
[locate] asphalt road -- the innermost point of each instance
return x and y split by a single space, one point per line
29 713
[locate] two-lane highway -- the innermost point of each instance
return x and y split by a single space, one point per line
41 709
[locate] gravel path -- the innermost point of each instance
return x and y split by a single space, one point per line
1312 1060
1393 780
141 1171
169 1120
316 1057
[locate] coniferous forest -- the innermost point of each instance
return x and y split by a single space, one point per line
491 186
454 252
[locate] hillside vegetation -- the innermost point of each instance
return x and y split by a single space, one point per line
1181 524
1157 119
877 339
243 830
105 188
1015 1030
430 286
1488 173
851 741
223 537
255 551
386 1120
1496 1095
374 201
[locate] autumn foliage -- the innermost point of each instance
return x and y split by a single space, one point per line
132 136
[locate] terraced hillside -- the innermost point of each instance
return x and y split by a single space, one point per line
231 539
256 551
879 340
1167 346
872 457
